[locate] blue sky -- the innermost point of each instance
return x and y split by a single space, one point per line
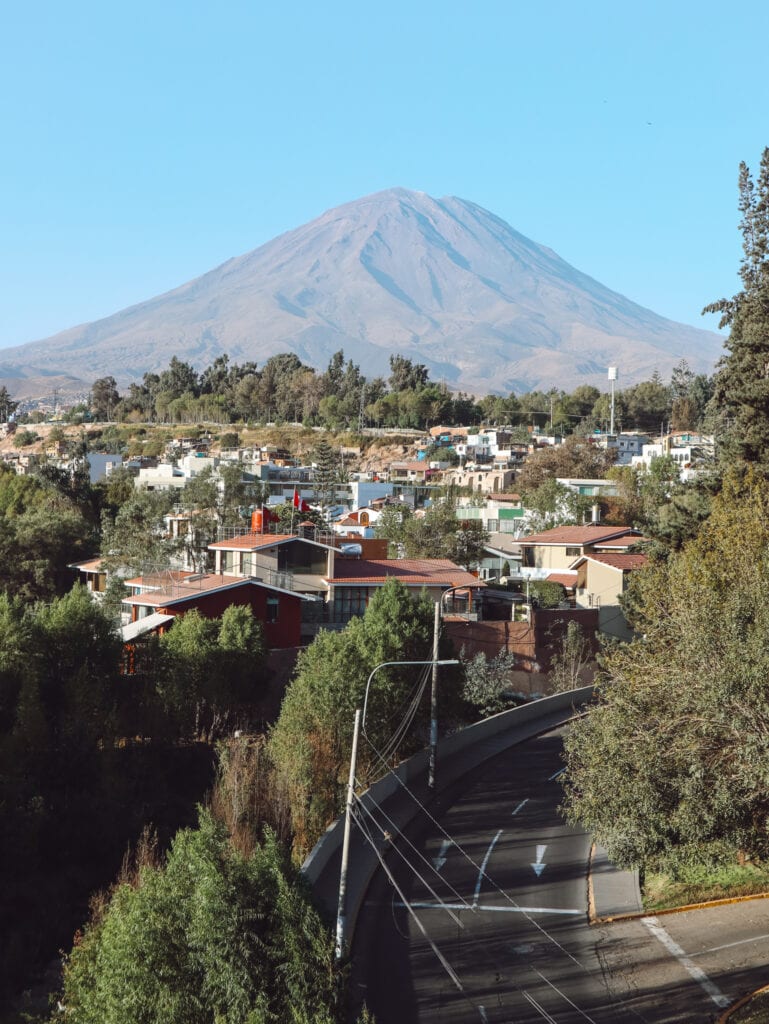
145 143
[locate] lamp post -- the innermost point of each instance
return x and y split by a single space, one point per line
360 724
613 374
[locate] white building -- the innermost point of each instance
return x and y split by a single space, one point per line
101 465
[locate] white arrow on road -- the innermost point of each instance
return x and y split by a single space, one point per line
539 867
440 860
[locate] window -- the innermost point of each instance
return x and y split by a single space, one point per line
273 606
349 601
572 552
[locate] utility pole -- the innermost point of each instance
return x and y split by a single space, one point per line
341 913
360 725
434 699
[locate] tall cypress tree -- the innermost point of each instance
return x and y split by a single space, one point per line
742 381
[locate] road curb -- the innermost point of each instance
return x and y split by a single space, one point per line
594 918
726 1015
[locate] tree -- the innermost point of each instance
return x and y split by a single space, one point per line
648 403
208 668
572 657
487 682
390 526
310 744
42 530
7 406
742 379
326 474
179 379
208 935
672 766
135 536
553 504
24 438
104 398
406 375
439 534
576 457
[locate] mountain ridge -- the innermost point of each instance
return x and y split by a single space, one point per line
441 281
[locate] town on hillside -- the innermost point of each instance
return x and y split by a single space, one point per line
500 528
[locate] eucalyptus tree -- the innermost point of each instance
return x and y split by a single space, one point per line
672 766
742 380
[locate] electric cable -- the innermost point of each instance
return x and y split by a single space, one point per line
402 835
482 873
413 870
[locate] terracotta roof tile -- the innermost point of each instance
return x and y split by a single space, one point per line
621 543
624 560
410 571
577 535
567 578
89 565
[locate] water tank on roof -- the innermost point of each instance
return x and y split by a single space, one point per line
351 550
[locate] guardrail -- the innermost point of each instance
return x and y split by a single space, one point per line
457 754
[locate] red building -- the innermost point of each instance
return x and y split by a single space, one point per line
155 597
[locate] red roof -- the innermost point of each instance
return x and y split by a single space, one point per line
89 565
186 586
621 543
410 467
412 572
566 579
578 535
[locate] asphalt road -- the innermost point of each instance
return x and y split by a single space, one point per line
498 930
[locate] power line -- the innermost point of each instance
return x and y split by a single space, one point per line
478 868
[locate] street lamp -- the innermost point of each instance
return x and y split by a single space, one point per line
613 374
360 722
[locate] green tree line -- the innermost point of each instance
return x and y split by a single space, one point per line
285 390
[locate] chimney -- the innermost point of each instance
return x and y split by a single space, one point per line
596 516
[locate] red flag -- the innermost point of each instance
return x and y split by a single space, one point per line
297 499
305 506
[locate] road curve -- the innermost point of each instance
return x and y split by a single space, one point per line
497 928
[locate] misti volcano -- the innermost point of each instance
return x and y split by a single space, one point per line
441 281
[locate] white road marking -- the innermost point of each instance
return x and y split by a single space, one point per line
520 806
482 1011
440 860
715 993
482 872
539 867
505 909
555 775
728 945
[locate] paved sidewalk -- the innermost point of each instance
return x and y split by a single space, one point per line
615 893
